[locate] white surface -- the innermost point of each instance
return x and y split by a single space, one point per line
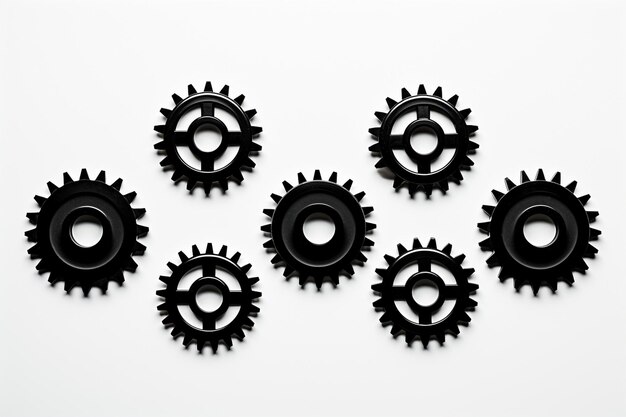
81 85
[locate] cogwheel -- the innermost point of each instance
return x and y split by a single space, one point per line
63 256
539 265
207 174
424 177
391 293
310 199
208 330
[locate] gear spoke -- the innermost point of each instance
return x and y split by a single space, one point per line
182 298
424 264
451 292
208 109
423 111
426 317
234 139
181 138
236 298
207 163
396 141
398 293
208 269
423 167
208 323
451 140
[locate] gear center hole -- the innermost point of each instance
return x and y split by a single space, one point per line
424 141
539 230
425 292
87 231
209 298
207 138
319 228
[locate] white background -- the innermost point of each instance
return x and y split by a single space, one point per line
81 85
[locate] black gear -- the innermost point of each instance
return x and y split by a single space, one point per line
389 293
207 101
66 259
173 297
521 260
422 104
318 197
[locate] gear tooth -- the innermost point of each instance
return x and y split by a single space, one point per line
572 186
42 266
208 87
66 178
40 200
51 187
34 251
378 287
53 278
117 184
187 340
349 269
379 303
359 196
256 130
443 186
568 278
509 184
68 285
368 242
209 249
287 186
385 318
172 266
369 226
361 257
223 185
200 345
32 217
223 251
268 212
457 175
245 268
580 266
301 178
175 330
390 259
535 287
191 89
584 199
288 271
380 115
367 210
142 230
428 189
472 129
255 147
130 197
425 340
493 260
405 93
139 212
318 282
235 257
165 161
421 89
239 99
557 177
484 226
253 280
131 265
250 113
86 288
592 215
472 146
228 342
401 249
497 194
467 161
447 249
540 175
591 251
395 330
381 163
488 209
459 259
468 272
464 317
441 338
183 257
165 112
486 244
417 244
333 177
594 233
397 182
275 197
139 249
317 176
438 92
347 185
524 177
191 184
176 98
374 131
381 272
432 243
453 100
302 280
225 90
195 251
465 113
238 176
412 188
391 102
31 235
267 228
553 285
334 279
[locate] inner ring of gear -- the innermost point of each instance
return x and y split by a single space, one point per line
296 251
528 263
424 258
210 332
63 256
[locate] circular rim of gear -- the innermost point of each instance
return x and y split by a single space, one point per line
287 254
62 256
208 100
172 297
515 258
389 293
386 142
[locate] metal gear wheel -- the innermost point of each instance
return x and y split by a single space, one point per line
56 246
389 293
173 297
311 199
207 174
424 178
539 265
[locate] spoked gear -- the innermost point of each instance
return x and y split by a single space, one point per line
208 101
313 199
210 333
63 256
539 265
390 293
424 178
